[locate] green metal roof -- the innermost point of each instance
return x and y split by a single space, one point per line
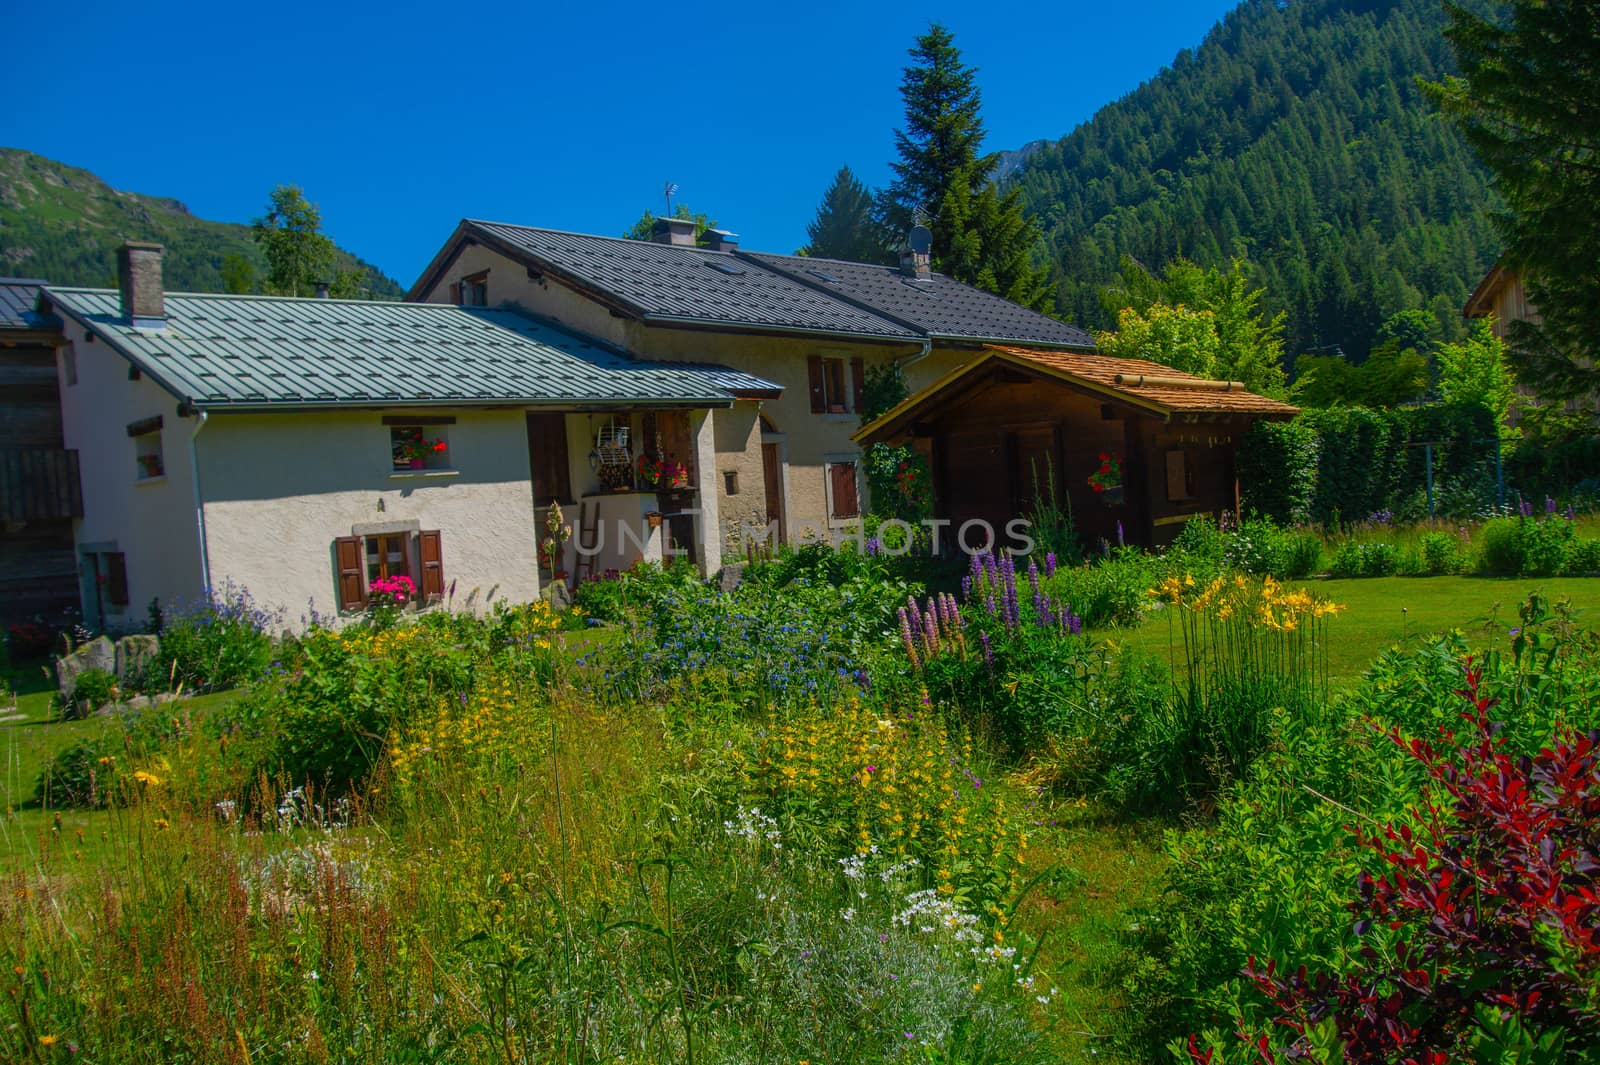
224 352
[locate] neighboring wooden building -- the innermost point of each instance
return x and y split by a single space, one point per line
39 494
1502 294
988 426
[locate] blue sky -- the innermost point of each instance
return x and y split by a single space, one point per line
399 119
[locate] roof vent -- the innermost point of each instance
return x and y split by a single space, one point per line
722 240
678 232
139 278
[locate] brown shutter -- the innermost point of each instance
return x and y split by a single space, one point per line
819 398
432 553
347 566
843 475
117 578
858 383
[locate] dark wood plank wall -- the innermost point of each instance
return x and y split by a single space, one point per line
987 446
39 489
987 441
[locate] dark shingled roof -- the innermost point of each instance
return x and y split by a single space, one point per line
262 352
664 282
940 307
19 298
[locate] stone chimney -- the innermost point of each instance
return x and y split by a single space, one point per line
917 265
675 231
323 288
916 255
722 240
139 277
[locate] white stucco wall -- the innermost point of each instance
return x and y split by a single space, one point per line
151 522
280 488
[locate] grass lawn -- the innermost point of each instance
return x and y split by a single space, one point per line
30 735
1383 611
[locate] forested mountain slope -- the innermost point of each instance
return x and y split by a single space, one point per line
1295 135
64 224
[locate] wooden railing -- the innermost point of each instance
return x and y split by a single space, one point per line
38 484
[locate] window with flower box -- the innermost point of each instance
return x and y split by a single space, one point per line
420 447
384 562
149 463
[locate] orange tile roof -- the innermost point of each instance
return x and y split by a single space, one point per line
1202 397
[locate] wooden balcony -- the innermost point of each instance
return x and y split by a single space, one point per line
39 484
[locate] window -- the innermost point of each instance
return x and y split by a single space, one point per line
419 447
730 482
361 560
830 392
1180 476
148 461
843 502
473 291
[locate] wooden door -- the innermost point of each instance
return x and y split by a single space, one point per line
772 479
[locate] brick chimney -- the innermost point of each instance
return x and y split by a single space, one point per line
139 278
678 232
722 240
916 255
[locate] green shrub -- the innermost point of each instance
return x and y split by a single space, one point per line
1525 547
1111 591
222 642
1365 560
97 770
1440 554
92 689
1583 557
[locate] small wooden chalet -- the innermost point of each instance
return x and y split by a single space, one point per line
1159 443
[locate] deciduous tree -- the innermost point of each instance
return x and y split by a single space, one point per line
290 236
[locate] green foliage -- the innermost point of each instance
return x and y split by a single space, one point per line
1475 371
1365 560
1389 376
65 224
223 642
299 255
884 385
900 481
1173 336
1441 554
1294 135
1049 516
1524 101
98 770
1524 547
992 242
1109 591
1343 464
1248 344
942 138
92 689
844 227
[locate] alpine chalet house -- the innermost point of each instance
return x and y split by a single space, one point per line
305 448
784 459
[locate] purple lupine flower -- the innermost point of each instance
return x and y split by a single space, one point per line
873 546
966 589
905 637
915 612
1033 576
988 651
1525 508
930 633
1074 624
1119 533
1049 563
1549 505
1572 513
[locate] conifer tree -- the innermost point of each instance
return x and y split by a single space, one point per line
942 136
844 227
1529 104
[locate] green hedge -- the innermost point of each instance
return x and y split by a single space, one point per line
1343 464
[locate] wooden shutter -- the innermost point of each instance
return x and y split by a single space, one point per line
547 457
347 558
819 398
858 384
117 578
432 554
843 476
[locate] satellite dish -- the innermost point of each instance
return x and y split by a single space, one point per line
921 239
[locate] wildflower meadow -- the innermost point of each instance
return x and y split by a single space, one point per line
857 809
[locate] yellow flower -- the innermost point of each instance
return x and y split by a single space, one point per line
48 1040
147 779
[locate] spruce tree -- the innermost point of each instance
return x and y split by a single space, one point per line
844 227
1529 104
943 135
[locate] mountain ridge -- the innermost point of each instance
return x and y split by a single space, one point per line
63 223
